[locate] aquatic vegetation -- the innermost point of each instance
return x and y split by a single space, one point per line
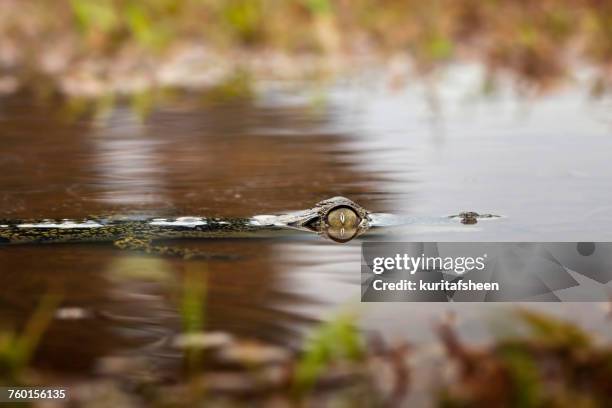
335 365
18 348
128 46
556 365
193 300
244 19
106 22
192 310
333 341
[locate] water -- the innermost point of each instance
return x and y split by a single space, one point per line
425 150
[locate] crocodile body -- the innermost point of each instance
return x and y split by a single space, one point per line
109 230
337 218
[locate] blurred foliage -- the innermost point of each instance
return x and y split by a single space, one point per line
332 342
556 365
192 309
108 22
18 348
536 40
237 86
244 18
193 299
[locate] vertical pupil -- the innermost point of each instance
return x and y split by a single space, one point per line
342 224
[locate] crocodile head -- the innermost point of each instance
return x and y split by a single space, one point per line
336 218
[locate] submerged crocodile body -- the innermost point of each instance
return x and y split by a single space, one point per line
337 218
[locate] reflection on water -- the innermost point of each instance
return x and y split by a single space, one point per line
543 164
126 160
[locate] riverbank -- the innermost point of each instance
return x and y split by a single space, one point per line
126 47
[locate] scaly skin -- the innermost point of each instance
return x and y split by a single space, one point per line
337 218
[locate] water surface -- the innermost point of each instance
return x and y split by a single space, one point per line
425 151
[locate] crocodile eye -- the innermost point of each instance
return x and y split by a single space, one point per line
343 224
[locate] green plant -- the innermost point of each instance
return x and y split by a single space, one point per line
144 22
554 332
244 18
95 15
192 310
333 341
553 364
17 349
193 300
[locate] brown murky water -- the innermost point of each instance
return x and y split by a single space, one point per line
543 163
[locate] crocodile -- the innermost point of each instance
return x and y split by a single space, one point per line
471 217
338 219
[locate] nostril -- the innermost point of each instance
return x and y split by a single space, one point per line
313 224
